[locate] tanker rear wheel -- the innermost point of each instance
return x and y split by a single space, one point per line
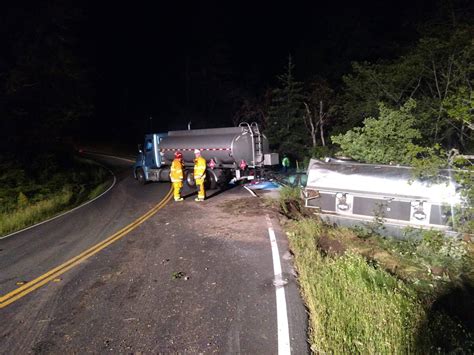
211 182
189 178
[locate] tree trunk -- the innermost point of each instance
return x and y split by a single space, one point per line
313 127
321 123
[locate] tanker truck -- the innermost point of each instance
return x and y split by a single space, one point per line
231 153
348 193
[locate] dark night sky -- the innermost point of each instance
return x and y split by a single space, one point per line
195 61
153 59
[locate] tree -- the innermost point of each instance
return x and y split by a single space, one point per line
387 139
318 103
460 106
436 71
285 125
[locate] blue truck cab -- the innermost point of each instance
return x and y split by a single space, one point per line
149 158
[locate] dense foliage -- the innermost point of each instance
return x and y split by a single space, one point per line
45 86
408 109
390 138
437 72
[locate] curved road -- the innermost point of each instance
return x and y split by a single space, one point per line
166 286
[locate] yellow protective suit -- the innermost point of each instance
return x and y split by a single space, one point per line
200 176
176 176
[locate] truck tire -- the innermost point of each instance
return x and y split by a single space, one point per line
141 176
224 179
211 180
188 176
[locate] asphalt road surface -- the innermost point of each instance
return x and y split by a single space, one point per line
193 277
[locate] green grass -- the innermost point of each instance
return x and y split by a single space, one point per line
34 213
28 197
353 307
380 295
289 193
98 190
371 294
289 200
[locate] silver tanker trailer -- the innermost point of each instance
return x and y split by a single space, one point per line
347 193
231 153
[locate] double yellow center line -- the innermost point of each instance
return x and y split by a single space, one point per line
25 289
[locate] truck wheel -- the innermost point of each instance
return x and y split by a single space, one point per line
224 179
190 179
211 181
141 176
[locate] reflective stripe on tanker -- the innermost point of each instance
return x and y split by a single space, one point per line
192 149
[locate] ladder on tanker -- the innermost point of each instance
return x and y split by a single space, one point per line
257 142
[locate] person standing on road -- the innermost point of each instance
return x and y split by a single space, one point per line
199 174
286 163
176 175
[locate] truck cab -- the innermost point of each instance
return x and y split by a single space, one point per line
149 159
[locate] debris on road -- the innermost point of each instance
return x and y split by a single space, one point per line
263 185
251 192
178 275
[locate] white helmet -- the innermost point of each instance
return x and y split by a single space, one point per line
197 151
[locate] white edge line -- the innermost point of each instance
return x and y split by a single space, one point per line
64 213
282 315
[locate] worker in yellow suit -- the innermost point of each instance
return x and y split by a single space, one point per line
199 174
176 175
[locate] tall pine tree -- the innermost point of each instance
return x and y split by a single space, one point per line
286 128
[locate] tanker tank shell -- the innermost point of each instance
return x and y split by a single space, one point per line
223 145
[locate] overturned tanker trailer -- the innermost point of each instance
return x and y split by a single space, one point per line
347 193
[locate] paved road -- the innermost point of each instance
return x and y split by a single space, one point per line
192 278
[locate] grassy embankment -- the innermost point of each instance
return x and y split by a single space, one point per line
369 294
29 195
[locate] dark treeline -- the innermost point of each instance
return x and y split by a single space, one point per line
73 70
46 90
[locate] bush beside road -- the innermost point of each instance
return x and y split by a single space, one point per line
33 194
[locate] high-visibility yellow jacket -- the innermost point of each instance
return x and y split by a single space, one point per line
199 169
176 173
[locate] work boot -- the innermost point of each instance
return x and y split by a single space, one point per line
179 199
199 199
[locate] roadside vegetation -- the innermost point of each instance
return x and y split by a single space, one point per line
413 108
367 293
50 185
